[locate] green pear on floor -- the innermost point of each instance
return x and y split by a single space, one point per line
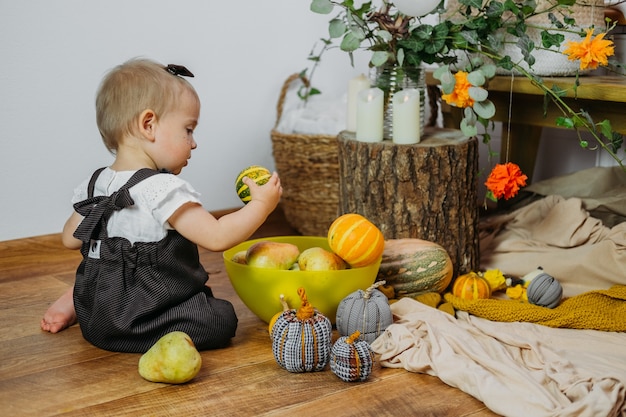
173 359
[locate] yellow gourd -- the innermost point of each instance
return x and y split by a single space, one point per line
356 240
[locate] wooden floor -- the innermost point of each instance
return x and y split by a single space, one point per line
45 374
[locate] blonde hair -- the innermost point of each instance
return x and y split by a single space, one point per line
129 89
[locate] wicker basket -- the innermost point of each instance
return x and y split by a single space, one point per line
309 173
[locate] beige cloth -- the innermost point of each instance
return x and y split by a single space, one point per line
559 235
516 369
602 191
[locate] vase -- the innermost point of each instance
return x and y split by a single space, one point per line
392 78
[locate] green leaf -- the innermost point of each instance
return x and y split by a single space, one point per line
555 21
437 42
411 44
476 4
570 21
337 28
350 42
485 109
476 78
488 70
506 63
384 35
322 6
605 128
617 140
446 78
470 36
489 195
551 39
476 61
529 8
510 5
526 46
495 10
470 116
468 130
565 122
379 58
478 94
441 71
400 56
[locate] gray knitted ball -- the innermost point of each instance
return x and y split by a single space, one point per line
544 291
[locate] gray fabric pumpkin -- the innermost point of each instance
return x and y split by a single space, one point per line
365 311
544 290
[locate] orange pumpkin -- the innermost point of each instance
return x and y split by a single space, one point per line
356 240
471 286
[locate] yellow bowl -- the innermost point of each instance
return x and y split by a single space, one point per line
260 288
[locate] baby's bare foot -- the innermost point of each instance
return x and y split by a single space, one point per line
61 314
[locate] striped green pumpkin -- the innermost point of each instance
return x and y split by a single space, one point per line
259 174
414 266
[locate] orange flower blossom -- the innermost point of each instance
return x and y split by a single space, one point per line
505 180
459 97
591 51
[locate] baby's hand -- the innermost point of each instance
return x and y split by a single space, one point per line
268 193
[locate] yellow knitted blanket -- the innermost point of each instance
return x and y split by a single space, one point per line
597 310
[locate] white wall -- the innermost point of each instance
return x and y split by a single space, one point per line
54 53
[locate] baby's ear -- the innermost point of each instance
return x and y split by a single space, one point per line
147 123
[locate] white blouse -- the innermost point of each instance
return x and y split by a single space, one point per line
156 199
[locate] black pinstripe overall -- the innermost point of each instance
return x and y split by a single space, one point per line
127 295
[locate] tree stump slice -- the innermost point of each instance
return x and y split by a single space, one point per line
426 191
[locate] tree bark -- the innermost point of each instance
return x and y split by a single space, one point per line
426 191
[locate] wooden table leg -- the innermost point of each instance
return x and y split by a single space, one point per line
520 144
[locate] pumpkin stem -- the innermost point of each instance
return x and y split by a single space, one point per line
284 302
368 291
306 311
354 336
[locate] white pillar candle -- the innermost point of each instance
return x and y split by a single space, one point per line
369 115
355 85
406 116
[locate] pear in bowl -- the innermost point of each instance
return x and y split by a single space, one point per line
272 255
319 259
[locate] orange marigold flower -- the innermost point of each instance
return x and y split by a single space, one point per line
459 97
505 180
591 51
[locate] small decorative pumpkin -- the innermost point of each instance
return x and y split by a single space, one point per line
351 358
415 266
356 240
471 286
367 312
257 173
301 340
543 289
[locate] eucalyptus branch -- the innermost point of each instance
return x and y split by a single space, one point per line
572 119
307 90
